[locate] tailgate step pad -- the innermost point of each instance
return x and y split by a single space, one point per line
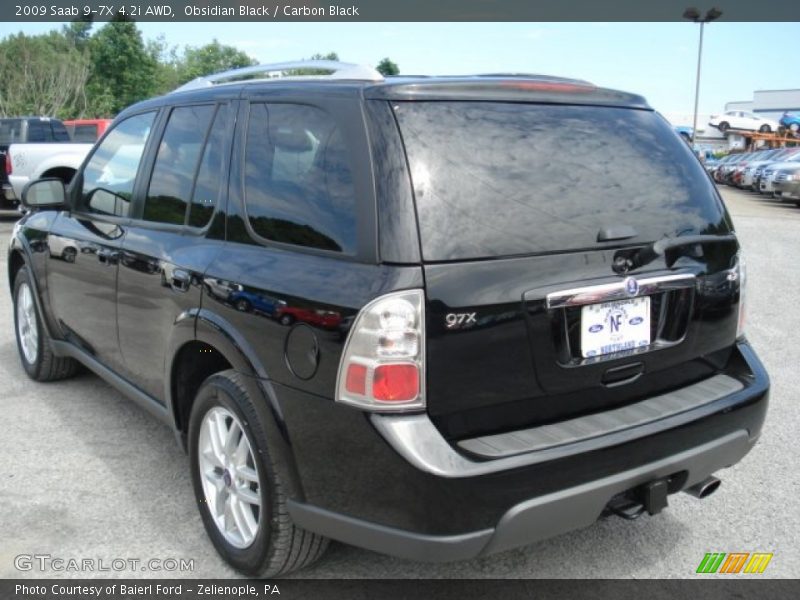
603 423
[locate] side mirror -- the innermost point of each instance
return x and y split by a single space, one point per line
106 202
44 193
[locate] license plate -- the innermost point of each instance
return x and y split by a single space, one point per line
615 326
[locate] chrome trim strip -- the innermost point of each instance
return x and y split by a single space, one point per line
596 294
418 441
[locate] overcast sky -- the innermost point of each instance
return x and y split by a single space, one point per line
657 60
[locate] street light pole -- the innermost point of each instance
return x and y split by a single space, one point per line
694 15
697 83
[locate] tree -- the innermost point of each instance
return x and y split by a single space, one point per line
123 72
388 67
78 32
301 72
209 59
168 64
42 75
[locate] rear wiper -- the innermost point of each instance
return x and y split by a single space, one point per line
646 255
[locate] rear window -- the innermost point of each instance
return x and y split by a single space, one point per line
500 179
84 133
10 131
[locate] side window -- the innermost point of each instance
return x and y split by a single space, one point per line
60 133
84 133
211 171
176 164
36 132
110 174
298 182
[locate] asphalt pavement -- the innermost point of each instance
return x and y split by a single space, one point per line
86 474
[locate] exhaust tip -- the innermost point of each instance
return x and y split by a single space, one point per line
705 488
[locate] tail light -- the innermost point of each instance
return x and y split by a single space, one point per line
383 363
741 275
9 167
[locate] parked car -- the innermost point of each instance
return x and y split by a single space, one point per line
28 162
758 159
766 183
730 170
327 319
520 346
247 301
742 120
717 170
790 121
787 185
87 130
783 155
23 130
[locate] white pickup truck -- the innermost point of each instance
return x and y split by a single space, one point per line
33 161
24 159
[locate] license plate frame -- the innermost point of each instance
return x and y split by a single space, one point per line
615 326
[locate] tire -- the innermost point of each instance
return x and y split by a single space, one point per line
286 320
275 545
765 129
33 344
723 127
243 305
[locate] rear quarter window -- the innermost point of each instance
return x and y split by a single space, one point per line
500 179
298 179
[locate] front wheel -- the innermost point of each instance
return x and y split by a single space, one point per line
765 129
35 350
237 488
723 127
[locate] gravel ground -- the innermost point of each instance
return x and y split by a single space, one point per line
86 473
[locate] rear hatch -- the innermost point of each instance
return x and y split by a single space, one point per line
545 299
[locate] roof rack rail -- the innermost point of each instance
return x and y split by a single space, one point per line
537 76
339 70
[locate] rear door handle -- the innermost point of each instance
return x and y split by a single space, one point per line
181 280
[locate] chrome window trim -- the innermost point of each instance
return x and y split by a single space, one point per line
606 292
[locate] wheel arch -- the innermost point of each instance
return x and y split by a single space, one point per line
15 262
19 257
205 334
65 174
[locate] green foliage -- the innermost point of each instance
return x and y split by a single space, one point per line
123 72
41 75
388 67
306 72
209 59
87 71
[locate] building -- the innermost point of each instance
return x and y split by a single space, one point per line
770 104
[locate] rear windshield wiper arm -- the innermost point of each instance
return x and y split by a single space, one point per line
646 255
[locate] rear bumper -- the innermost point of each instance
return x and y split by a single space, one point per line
535 519
407 492
8 199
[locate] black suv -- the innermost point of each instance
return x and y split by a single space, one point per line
432 317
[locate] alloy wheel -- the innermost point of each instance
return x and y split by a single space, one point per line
27 326
230 477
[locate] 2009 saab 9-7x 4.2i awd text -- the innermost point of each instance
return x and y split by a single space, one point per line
432 317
